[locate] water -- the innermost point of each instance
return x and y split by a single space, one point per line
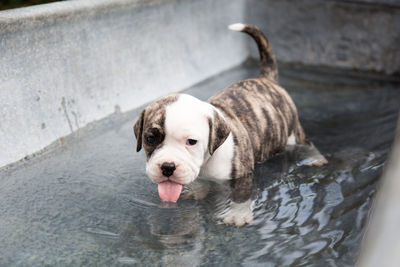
87 201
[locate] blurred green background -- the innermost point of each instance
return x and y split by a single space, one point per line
7 4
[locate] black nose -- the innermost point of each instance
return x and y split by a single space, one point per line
168 168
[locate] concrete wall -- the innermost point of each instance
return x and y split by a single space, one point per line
363 34
66 64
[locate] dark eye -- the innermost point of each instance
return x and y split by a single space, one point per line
191 142
150 140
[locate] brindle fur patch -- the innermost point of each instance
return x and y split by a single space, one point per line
219 131
151 122
262 116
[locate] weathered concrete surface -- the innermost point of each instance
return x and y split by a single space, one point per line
66 64
382 244
363 34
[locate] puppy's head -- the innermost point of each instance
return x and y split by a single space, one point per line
179 133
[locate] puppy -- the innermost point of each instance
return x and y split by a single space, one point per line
223 138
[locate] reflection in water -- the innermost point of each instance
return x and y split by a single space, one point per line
175 233
89 203
181 233
232 199
301 215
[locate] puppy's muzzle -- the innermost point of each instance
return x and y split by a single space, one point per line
168 168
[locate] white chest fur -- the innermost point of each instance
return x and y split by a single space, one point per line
219 165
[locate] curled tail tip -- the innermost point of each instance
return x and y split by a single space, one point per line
268 65
237 27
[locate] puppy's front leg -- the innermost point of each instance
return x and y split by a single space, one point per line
237 208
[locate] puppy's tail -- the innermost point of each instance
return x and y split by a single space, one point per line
268 67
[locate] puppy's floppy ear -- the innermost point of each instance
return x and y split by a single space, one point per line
219 131
138 130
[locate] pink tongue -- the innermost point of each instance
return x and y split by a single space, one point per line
169 191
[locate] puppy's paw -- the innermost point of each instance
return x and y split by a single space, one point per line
237 214
196 190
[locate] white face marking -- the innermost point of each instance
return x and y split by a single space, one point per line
187 118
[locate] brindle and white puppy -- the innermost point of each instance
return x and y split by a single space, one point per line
223 138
